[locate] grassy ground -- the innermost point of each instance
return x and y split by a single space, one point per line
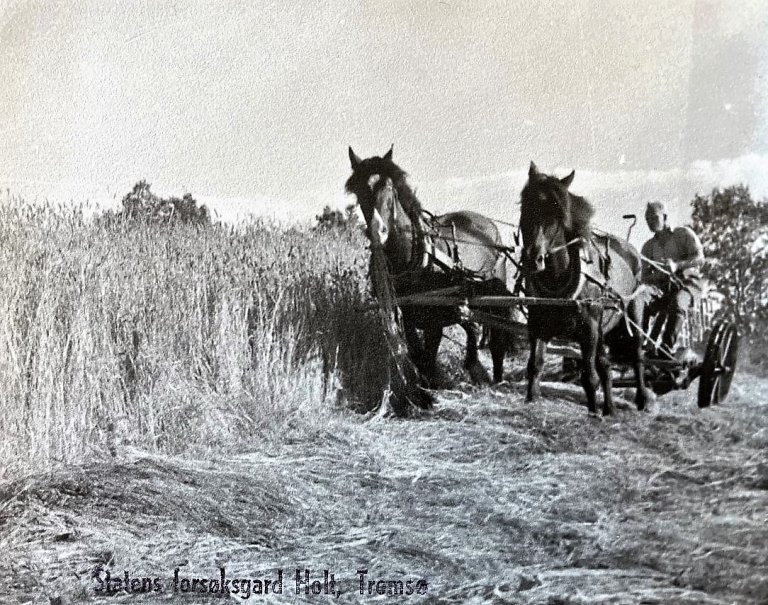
488 499
176 397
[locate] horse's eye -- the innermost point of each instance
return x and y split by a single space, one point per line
373 179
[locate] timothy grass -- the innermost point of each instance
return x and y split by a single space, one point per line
172 338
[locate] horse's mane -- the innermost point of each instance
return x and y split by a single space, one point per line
557 203
581 216
357 184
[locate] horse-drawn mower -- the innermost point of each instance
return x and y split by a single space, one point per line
429 272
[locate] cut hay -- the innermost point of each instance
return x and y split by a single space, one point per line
403 391
490 499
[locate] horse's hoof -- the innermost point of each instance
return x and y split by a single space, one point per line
478 374
643 399
644 406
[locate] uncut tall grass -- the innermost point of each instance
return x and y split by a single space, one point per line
174 338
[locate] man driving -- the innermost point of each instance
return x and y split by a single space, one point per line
672 262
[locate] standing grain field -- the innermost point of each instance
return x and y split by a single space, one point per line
172 337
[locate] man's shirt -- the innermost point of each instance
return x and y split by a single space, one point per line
682 244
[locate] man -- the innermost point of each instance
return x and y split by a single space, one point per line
675 259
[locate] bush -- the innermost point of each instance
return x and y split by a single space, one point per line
141 204
338 220
734 232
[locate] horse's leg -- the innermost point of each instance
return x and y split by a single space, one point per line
604 371
589 378
485 337
415 348
498 346
433 334
535 364
472 362
642 394
499 339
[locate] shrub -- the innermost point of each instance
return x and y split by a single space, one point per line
734 232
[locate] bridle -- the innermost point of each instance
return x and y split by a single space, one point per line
548 249
416 227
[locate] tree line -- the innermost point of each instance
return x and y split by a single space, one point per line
141 204
733 228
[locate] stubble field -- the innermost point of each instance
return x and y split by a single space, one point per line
191 399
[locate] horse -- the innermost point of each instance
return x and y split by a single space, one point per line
564 258
394 219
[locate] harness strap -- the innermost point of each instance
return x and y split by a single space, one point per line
433 254
602 284
603 257
564 246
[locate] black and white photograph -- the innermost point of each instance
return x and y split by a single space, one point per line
424 301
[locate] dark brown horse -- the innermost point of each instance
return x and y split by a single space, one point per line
563 258
394 219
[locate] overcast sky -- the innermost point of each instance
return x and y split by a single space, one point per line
251 105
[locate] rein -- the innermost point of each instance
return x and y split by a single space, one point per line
661 269
564 246
433 228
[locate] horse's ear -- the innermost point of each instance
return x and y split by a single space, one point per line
353 159
569 179
532 170
388 155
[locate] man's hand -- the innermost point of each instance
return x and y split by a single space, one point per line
658 279
671 266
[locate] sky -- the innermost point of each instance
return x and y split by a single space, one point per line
251 106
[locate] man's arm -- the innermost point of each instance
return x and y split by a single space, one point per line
692 250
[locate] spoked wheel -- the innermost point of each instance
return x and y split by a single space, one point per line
719 364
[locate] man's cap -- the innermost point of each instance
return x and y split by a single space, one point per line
656 207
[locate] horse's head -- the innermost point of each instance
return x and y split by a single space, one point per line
550 218
388 215
388 204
